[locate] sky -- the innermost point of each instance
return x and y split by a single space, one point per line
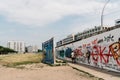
35 21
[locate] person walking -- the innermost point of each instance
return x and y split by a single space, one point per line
88 56
73 57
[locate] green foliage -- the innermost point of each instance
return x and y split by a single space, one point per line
4 50
20 63
40 50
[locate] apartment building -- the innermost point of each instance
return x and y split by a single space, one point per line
18 46
32 49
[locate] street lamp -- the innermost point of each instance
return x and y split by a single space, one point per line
103 12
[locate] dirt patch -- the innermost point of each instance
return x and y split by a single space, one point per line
41 71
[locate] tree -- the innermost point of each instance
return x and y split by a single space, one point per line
39 50
4 50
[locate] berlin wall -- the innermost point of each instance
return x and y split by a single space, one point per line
102 50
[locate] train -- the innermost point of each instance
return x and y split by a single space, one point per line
103 43
117 22
86 34
82 35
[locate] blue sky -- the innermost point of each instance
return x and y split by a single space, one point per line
35 21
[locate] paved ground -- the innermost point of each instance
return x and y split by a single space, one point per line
100 73
42 72
97 72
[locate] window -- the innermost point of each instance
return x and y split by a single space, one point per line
118 22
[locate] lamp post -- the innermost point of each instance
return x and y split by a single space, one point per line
103 12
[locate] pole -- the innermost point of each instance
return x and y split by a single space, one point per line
103 12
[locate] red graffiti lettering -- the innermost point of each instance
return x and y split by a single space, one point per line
98 52
84 45
95 41
78 52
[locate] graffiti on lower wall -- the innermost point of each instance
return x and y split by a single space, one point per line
97 55
48 49
102 53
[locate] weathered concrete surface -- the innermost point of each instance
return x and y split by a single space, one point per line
100 74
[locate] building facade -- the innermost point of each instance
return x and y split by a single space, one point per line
18 46
32 49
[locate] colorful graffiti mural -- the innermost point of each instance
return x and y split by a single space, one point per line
100 54
115 50
48 49
101 51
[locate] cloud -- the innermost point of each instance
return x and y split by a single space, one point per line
43 12
51 13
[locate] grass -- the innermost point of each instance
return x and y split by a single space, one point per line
13 60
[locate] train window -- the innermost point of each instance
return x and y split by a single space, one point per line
99 28
90 31
105 27
96 29
118 22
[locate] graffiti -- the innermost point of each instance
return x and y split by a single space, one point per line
94 54
89 44
115 50
103 51
78 52
80 47
83 55
95 41
79 55
68 52
100 41
98 53
47 48
109 38
61 53
84 45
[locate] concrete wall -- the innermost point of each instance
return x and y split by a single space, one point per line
104 50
